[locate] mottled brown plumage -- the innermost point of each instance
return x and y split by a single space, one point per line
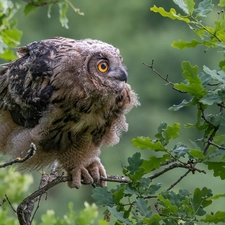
69 97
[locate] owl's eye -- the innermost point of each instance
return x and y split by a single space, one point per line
103 66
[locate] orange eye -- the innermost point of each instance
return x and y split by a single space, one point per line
103 66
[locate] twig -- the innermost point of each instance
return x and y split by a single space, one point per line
189 165
203 115
3 201
214 130
161 76
205 28
6 197
210 139
157 208
43 182
29 154
218 146
175 165
182 177
150 196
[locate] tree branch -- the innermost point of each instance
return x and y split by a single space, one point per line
116 178
218 146
182 177
161 76
29 154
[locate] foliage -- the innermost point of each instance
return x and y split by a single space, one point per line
144 200
10 36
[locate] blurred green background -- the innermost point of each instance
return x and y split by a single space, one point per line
141 36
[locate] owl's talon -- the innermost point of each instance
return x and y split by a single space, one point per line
88 175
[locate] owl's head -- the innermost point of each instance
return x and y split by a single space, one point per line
94 65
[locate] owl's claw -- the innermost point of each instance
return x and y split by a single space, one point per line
90 174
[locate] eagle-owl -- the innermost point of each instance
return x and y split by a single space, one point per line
69 97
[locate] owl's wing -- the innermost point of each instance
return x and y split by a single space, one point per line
25 89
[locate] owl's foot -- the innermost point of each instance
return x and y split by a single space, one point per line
90 174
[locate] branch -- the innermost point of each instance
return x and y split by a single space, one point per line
189 165
210 139
197 23
26 207
116 178
162 77
7 199
203 115
175 183
218 146
3 201
29 154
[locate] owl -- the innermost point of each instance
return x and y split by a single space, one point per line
68 97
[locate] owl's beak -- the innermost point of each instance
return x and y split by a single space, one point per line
123 75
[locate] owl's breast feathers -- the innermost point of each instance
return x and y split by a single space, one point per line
38 92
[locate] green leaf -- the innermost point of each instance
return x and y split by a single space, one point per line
197 153
167 203
186 5
172 132
180 44
11 37
218 169
29 8
154 162
193 86
200 200
171 14
119 216
215 197
222 64
135 162
102 222
216 75
155 218
211 98
48 218
147 143
221 3
49 10
118 194
143 207
180 150
181 105
204 8
218 217
103 197
8 55
87 215
216 119
63 6
153 188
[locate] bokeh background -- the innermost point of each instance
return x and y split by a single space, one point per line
141 36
